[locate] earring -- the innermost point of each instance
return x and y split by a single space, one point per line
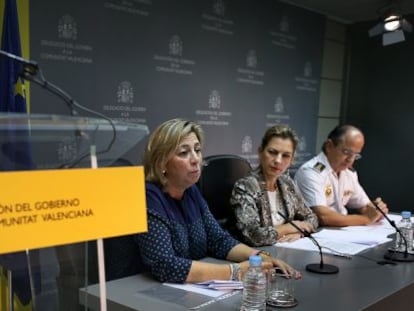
164 172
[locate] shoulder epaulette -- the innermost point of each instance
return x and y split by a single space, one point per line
319 166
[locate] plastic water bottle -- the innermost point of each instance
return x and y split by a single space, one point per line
254 286
406 227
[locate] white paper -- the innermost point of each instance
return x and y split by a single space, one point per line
197 289
334 247
349 240
367 237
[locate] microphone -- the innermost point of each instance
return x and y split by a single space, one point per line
29 67
29 72
320 267
393 254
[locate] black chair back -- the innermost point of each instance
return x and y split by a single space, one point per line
219 174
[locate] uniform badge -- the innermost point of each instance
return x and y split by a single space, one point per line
319 166
347 193
328 190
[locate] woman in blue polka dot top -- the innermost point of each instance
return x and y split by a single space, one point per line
181 229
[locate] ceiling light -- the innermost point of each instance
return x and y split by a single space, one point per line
392 27
392 22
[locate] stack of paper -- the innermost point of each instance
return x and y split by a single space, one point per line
213 288
221 285
370 238
345 241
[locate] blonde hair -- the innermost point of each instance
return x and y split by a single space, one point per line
162 143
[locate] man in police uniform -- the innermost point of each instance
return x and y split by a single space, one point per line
330 185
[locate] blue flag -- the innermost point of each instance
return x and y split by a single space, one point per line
15 152
12 92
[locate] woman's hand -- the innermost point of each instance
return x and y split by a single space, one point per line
244 266
270 262
288 229
266 265
286 269
290 237
304 225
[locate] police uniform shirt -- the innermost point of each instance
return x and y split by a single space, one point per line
320 186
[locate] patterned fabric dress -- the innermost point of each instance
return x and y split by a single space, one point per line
180 231
252 208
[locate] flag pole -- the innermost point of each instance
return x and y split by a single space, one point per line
100 247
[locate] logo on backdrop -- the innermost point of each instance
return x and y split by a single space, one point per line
124 109
219 7
135 7
67 150
214 115
302 143
174 62
251 59
214 100
306 82
249 74
279 105
216 21
247 150
67 28
301 154
284 24
307 71
176 46
282 37
125 93
247 144
65 47
278 115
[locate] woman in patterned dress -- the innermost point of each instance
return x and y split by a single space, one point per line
260 198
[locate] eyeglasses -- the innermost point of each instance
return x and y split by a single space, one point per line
350 153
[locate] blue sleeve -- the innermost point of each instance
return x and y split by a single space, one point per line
160 249
156 246
219 241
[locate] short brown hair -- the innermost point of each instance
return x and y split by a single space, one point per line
281 131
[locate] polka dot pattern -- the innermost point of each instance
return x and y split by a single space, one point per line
179 232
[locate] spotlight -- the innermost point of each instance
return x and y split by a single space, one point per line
392 22
392 27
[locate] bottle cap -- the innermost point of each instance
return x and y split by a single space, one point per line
406 214
255 261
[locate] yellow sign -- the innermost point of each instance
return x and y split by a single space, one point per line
55 207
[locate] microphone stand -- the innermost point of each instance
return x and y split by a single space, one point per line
321 267
31 72
394 254
30 69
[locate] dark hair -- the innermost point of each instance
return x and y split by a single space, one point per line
282 131
338 134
